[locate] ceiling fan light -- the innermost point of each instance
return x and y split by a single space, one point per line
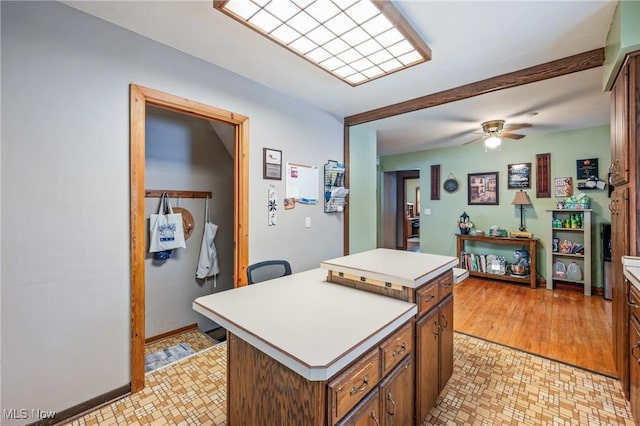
492 142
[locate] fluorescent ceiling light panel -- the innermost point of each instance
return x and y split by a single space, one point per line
354 40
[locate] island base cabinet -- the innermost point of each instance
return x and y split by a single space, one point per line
260 391
390 403
434 355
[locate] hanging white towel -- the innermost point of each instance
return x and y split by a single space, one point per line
208 260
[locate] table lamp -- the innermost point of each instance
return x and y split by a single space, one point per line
521 199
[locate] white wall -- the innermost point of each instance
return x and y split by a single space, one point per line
65 192
362 194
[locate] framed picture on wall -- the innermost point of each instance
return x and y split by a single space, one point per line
271 164
482 188
519 175
564 187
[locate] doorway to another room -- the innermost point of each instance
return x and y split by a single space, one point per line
141 99
401 210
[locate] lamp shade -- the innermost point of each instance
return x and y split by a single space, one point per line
521 199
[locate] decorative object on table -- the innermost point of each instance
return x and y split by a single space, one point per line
521 199
521 267
165 229
560 204
543 175
271 164
273 205
435 182
482 188
496 265
519 175
586 168
564 187
450 184
464 224
496 231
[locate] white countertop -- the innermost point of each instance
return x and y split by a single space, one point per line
314 327
407 268
632 269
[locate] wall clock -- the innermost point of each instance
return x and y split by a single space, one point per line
450 185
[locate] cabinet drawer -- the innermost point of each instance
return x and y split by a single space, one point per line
445 282
634 301
350 386
367 413
394 349
427 297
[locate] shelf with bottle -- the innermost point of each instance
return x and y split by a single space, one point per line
569 231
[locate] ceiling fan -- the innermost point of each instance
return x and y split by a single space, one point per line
495 130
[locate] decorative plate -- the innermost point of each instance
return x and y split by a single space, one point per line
450 185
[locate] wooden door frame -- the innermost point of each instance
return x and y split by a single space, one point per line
140 98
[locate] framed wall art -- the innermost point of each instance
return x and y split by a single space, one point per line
271 164
519 175
564 187
482 188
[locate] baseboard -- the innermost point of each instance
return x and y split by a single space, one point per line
85 407
171 333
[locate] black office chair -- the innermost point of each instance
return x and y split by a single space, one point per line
267 270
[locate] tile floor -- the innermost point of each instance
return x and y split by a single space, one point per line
491 385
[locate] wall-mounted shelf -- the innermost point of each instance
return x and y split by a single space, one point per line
157 193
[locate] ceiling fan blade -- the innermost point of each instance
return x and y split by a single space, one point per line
511 135
517 126
473 140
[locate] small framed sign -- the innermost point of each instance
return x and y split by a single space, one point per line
519 175
586 168
271 164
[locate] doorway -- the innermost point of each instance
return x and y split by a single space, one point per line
400 210
140 99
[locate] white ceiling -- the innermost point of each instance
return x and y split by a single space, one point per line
470 41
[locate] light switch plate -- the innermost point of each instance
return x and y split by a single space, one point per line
307 222
427 211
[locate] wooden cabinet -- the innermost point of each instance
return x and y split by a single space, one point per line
530 242
396 396
390 403
625 209
634 367
434 355
576 234
619 168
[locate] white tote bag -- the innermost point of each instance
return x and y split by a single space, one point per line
165 228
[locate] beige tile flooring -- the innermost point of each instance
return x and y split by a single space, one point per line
491 385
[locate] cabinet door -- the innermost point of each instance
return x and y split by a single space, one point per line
427 334
396 395
445 322
367 413
634 368
619 129
620 246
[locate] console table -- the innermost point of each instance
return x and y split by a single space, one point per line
530 242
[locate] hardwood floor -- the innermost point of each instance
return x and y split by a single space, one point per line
563 325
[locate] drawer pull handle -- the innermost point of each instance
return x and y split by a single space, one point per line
429 297
375 419
633 305
633 349
403 348
393 403
448 285
436 328
354 390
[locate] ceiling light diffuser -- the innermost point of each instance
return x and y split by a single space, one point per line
367 38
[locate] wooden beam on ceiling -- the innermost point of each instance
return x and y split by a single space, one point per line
576 63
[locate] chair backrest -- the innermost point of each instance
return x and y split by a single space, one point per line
267 270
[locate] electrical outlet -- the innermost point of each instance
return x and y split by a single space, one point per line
427 211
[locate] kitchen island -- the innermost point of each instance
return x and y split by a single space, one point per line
302 350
